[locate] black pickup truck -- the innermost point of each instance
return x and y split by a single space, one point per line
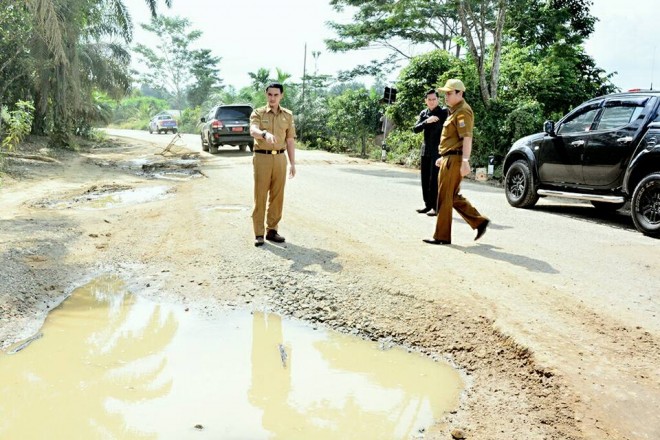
606 151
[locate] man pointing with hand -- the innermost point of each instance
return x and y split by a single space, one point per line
274 132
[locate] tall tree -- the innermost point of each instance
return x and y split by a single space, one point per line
15 60
260 78
353 117
206 80
153 5
170 64
396 24
62 31
482 24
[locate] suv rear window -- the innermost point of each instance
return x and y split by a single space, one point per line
236 113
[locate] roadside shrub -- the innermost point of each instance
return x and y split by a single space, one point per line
189 120
404 147
16 124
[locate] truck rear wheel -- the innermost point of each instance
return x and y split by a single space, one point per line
205 146
213 149
519 185
645 205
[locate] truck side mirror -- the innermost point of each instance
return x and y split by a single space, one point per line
549 128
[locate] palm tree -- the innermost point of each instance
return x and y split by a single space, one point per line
282 76
260 79
152 5
75 51
73 58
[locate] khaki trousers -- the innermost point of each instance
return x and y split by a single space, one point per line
269 180
449 183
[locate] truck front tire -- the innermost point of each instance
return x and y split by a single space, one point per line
645 205
519 185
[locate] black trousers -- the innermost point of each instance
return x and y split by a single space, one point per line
430 181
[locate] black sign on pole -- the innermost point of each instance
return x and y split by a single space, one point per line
389 95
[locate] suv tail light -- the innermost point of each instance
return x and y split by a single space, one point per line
217 124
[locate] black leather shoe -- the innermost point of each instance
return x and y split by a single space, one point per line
423 210
434 241
259 240
273 236
481 229
432 213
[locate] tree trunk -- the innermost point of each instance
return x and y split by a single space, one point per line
497 49
477 27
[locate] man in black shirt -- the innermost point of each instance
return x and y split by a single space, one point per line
430 121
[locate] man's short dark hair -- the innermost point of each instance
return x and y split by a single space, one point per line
432 92
275 85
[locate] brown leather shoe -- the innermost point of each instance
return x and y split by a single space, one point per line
481 229
273 236
434 241
259 240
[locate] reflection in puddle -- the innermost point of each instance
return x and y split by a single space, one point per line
114 365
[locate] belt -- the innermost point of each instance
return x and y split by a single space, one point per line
452 153
269 151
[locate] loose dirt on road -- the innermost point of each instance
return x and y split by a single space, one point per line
177 226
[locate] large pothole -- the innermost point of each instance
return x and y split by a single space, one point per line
115 364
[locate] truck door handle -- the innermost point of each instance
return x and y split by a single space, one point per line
651 142
625 140
577 143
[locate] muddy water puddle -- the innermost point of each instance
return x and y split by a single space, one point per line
109 196
226 208
110 364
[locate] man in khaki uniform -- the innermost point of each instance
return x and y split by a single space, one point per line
274 132
454 164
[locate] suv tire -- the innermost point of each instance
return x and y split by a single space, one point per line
645 205
205 146
519 185
213 149
242 147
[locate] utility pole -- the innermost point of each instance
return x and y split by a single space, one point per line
389 96
304 107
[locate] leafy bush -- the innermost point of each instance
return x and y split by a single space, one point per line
404 147
16 123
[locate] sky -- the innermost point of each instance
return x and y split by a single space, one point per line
249 34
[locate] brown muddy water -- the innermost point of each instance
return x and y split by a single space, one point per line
109 197
111 364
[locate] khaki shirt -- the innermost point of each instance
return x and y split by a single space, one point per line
458 125
279 124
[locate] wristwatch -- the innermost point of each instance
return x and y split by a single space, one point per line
263 134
